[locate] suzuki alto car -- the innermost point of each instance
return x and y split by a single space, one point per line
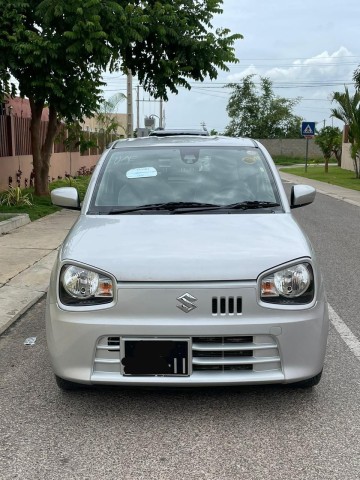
186 268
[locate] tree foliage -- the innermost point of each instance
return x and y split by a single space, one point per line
256 112
356 78
329 139
348 110
57 50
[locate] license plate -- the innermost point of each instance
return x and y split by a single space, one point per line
156 357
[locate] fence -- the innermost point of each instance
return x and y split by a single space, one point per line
15 152
5 136
15 138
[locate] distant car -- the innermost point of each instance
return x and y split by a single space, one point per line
160 132
186 268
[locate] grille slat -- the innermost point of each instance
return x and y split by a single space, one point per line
222 368
229 348
226 305
108 347
107 360
234 360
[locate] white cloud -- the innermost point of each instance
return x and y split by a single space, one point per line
324 67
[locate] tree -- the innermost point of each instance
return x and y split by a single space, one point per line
356 78
349 112
257 112
329 139
56 51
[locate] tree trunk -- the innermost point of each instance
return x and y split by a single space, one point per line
42 151
337 152
35 125
326 164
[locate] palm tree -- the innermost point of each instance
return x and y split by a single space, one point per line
349 112
106 117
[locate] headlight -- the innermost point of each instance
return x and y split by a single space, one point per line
293 285
83 287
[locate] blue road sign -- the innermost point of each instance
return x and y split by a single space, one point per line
308 129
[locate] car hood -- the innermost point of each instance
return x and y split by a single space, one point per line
185 247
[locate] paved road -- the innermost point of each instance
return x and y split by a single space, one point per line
250 433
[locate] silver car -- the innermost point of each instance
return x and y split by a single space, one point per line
186 268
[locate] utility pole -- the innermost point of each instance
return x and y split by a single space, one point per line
161 114
129 110
138 107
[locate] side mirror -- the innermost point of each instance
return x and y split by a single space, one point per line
302 195
66 197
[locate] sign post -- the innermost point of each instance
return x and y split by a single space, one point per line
307 131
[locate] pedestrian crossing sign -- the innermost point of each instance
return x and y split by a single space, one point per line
308 129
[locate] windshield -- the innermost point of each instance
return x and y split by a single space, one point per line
209 176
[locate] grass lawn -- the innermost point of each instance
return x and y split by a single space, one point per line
335 176
42 205
282 160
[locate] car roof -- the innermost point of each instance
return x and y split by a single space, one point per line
162 132
185 140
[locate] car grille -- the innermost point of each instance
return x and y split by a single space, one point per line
226 305
236 353
107 355
215 355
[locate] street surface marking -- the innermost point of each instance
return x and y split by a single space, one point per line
345 333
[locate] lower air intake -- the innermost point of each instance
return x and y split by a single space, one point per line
225 354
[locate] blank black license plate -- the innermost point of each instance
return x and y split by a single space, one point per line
156 357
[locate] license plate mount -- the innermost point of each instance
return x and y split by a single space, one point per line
155 357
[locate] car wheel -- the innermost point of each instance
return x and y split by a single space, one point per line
66 385
308 383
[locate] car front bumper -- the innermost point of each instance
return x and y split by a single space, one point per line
255 345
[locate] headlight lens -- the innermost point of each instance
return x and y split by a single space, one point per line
81 286
293 285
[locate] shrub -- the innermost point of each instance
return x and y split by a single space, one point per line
85 170
15 196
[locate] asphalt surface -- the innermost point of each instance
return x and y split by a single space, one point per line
251 433
114 433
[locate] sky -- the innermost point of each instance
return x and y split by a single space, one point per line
308 49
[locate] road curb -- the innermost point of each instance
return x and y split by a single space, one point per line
17 220
12 319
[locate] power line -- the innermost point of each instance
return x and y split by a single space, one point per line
294 59
292 65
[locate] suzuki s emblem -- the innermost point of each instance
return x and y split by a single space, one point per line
186 301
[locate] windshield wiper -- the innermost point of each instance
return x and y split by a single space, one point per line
252 204
235 206
170 206
184 207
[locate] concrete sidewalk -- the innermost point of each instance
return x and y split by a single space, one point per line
27 253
